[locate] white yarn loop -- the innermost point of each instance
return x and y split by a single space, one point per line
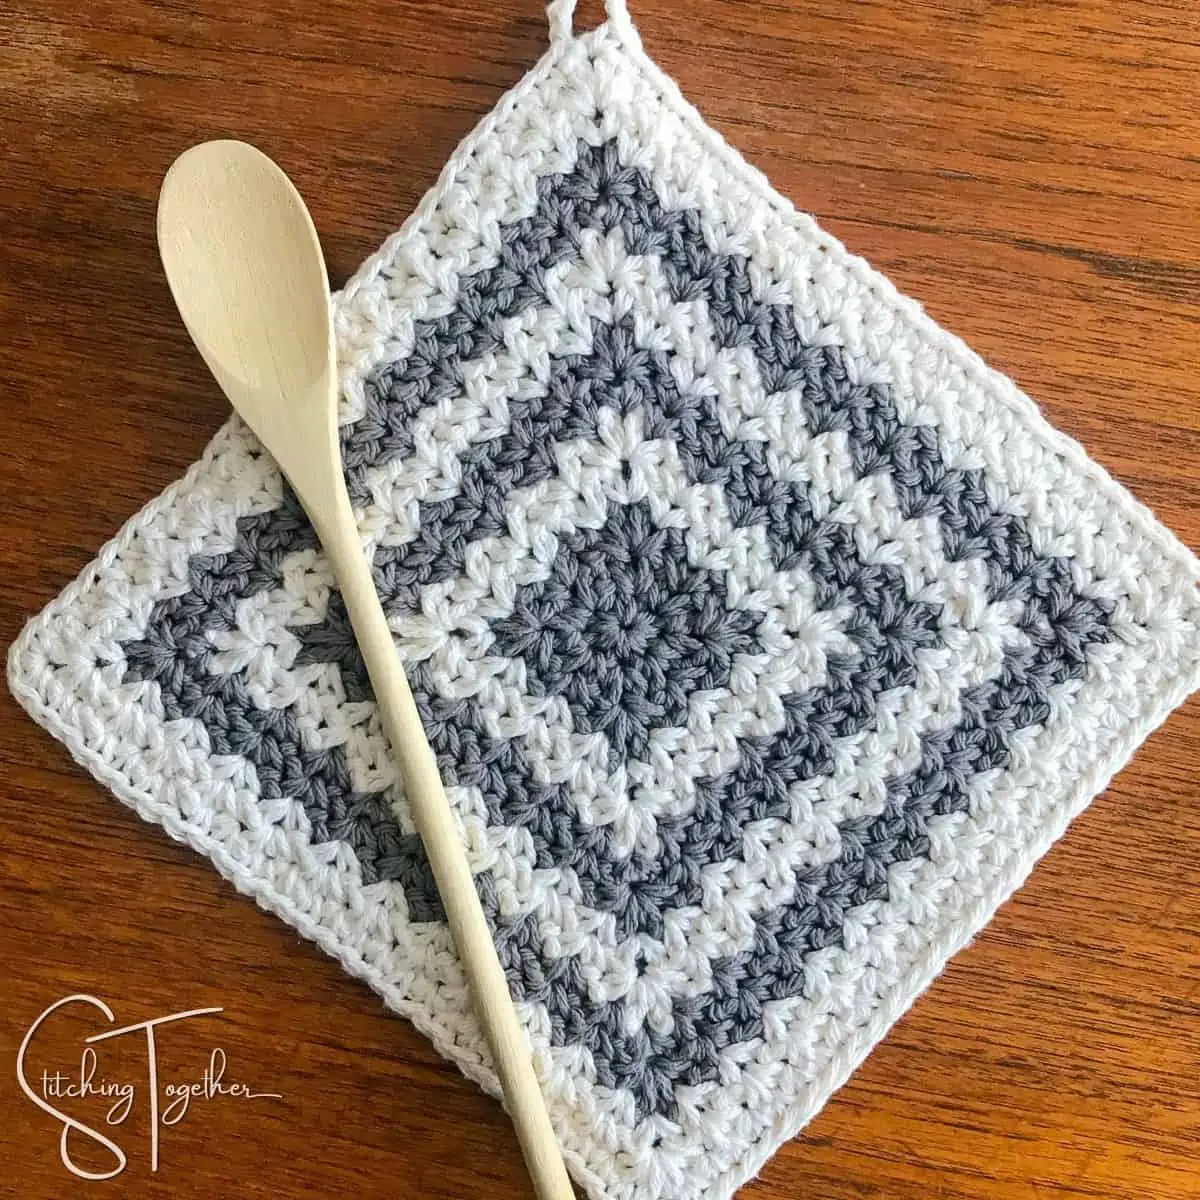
561 15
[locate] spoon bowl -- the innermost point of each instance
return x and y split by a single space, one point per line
263 308
245 268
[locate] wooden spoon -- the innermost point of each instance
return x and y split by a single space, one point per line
246 270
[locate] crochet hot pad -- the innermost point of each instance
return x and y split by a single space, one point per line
764 635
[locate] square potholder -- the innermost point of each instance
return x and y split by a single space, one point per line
764 635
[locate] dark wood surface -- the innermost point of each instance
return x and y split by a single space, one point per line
1030 171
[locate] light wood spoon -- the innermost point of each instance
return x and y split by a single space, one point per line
246 270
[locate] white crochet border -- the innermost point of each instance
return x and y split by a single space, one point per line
901 337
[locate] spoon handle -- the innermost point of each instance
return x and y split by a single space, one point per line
447 855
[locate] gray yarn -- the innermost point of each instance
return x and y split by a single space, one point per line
626 629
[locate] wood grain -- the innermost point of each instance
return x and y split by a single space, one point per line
1029 171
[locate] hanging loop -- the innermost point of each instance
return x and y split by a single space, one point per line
561 15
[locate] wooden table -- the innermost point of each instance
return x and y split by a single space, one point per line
1029 171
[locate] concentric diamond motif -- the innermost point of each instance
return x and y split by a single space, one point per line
664 537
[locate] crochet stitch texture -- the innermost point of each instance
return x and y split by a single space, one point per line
764 635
